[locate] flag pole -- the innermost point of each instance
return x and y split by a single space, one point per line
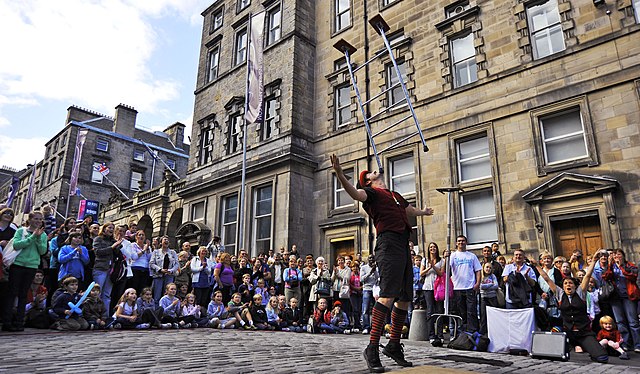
244 144
114 185
156 157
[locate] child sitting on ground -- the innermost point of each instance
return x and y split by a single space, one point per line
246 289
126 314
170 305
147 309
263 291
241 311
218 315
293 316
94 311
259 314
36 315
339 319
273 319
322 318
191 314
609 337
62 309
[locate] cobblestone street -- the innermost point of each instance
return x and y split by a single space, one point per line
231 351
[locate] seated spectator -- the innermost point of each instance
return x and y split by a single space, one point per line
170 305
126 315
293 317
259 314
241 311
218 314
273 318
94 312
339 319
571 299
191 313
147 309
609 337
263 291
36 308
62 309
322 318
246 289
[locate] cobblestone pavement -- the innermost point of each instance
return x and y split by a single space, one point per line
231 351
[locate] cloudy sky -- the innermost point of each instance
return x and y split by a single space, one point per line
94 54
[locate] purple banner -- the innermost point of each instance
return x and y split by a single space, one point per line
13 190
73 183
28 201
255 87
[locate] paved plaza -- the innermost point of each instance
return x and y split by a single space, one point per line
232 351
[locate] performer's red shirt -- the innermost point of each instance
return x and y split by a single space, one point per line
387 209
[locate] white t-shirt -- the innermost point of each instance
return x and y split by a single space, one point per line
463 270
127 309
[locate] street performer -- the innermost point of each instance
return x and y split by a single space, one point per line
389 211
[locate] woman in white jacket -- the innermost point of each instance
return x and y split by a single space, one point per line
200 276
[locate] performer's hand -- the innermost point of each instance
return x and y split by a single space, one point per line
427 211
336 163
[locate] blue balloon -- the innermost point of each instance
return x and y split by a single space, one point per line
75 308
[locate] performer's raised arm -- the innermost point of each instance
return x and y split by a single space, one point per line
355 193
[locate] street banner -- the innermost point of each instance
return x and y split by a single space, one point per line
73 183
255 87
13 190
28 201
88 208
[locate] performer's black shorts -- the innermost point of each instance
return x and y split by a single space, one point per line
394 265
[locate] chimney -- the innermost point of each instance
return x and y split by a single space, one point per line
125 121
176 134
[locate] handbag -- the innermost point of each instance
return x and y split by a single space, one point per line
606 291
323 287
439 288
9 253
502 301
345 291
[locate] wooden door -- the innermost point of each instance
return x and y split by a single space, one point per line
577 233
342 248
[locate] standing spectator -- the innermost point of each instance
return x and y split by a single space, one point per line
319 273
141 252
58 240
276 273
72 258
122 260
186 247
306 287
104 246
50 223
624 275
518 295
577 262
465 275
200 276
90 233
368 278
488 294
487 257
430 268
341 276
257 271
216 246
164 266
356 297
7 231
223 276
292 279
543 289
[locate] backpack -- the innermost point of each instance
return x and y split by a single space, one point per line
470 342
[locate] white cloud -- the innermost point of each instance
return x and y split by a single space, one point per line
13 154
94 53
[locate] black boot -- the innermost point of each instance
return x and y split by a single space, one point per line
395 351
372 357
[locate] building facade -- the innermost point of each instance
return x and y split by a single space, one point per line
114 141
530 108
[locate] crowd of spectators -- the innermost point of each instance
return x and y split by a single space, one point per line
142 283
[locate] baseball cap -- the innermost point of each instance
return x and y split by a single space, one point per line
363 178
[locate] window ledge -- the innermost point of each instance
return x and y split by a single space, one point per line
449 21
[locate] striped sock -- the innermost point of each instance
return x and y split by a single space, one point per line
398 317
378 317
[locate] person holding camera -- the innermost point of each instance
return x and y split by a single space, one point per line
577 262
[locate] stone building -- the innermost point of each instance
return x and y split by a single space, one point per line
113 141
531 108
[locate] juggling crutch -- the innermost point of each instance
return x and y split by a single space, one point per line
380 26
447 265
75 308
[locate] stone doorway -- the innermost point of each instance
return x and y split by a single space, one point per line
580 232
